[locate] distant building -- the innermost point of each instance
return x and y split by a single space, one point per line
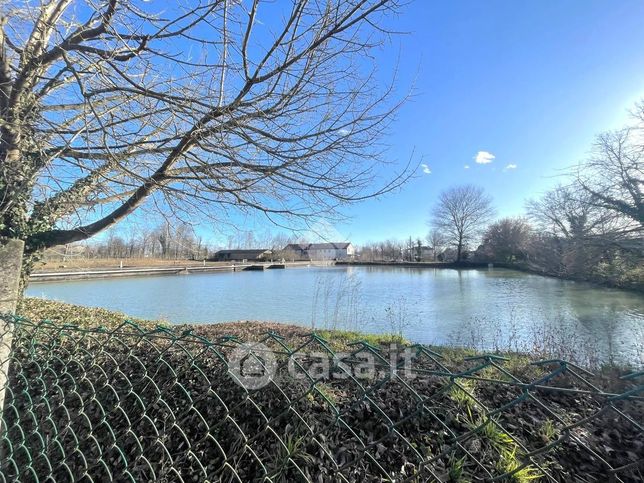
331 251
296 251
239 255
427 254
419 254
319 251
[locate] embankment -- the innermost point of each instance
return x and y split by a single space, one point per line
116 272
460 265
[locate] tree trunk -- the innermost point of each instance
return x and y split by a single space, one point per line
10 270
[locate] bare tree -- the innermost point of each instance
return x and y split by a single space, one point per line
460 214
613 177
508 239
580 230
194 107
163 236
562 212
436 241
410 249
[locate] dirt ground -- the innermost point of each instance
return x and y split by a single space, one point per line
152 395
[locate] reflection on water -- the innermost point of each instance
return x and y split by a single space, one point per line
489 308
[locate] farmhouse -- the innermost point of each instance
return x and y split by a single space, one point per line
319 251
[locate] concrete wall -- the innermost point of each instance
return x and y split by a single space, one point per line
10 264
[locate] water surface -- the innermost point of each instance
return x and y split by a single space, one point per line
488 308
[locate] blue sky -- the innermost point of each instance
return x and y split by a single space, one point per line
530 82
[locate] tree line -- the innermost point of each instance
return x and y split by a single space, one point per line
589 227
167 241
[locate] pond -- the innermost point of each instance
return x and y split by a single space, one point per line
484 308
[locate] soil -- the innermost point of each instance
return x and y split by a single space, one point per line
162 406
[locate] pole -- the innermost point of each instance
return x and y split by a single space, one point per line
10 266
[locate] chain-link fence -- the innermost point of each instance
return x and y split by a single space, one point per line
132 404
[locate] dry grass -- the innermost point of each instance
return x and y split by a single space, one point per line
36 309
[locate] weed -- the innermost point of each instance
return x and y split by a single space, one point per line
292 451
456 466
462 393
495 435
397 316
338 339
508 463
548 431
508 451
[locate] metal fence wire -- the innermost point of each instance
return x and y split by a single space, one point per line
169 404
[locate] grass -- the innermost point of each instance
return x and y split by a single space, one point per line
462 395
456 470
36 309
496 447
340 339
509 463
509 452
291 451
548 431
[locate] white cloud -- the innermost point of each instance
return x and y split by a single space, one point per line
483 157
426 169
510 166
467 166
344 132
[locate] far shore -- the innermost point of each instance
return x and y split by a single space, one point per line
460 265
111 268
116 268
80 269
464 265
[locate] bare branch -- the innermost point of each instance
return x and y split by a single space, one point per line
194 107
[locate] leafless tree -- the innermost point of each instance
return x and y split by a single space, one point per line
561 212
163 236
193 107
508 239
461 214
581 232
613 177
393 250
367 252
410 250
436 241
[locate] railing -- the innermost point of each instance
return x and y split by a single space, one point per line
129 404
